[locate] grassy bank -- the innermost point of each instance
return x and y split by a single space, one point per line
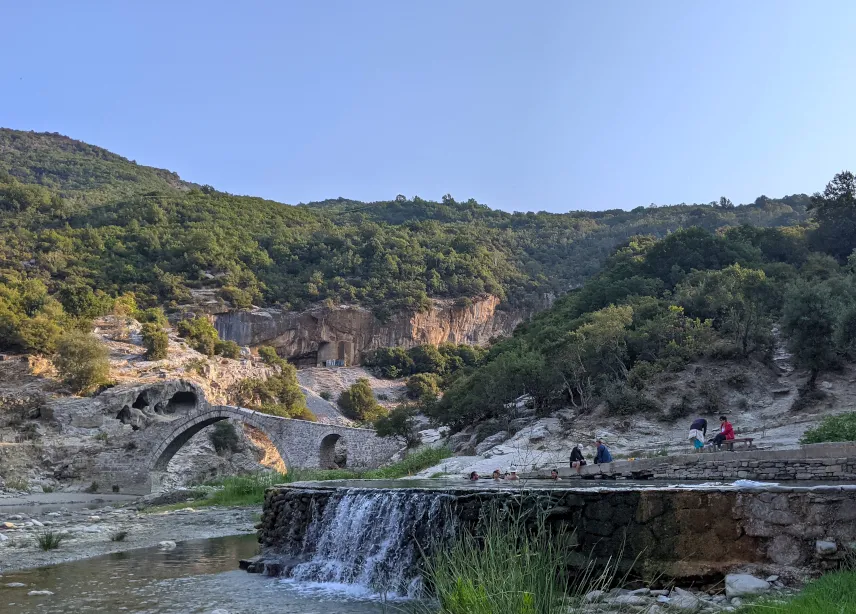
250 489
834 593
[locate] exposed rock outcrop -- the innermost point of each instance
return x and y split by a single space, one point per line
346 332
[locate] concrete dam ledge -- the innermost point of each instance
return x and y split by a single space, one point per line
664 533
813 462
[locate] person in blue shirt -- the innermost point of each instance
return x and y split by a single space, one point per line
603 455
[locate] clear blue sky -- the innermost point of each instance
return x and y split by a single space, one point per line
522 105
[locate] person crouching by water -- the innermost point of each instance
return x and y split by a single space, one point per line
698 433
577 459
474 476
554 475
603 455
497 474
512 474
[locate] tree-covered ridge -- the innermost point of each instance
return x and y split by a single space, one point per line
71 213
74 168
658 304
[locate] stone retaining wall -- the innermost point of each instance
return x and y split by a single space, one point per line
817 462
660 532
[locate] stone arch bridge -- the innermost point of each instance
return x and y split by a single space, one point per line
300 443
148 424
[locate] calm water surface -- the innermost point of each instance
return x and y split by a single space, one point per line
198 576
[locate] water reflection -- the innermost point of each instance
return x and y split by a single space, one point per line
198 576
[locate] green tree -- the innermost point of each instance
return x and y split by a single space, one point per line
156 341
835 212
82 361
808 320
228 349
736 297
400 424
423 386
200 333
79 300
278 395
358 402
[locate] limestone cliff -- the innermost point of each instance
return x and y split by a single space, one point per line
346 332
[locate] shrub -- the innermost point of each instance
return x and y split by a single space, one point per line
228 349
423 386
156 341
325 394
92 488
401 424
153 315
224 437
200 333
278 395
81 361
681 409
358 402
832 428
622 400
50 540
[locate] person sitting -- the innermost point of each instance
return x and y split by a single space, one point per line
603 455
577 459
554 475
474 476
512 474
497 474
698 432
726 432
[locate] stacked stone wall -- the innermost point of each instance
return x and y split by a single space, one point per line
657 532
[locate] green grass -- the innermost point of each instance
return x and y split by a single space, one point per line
834 593
49 540
509 568
240 491
832 428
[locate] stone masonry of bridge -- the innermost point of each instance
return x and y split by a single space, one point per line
147 424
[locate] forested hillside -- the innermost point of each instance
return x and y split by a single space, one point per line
658 305
79 219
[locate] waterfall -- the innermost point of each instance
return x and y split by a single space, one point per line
373 538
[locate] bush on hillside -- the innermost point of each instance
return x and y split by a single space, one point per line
156 341
278 395
401 424
200 333
81 361
423 386
228 349
832 428
358 402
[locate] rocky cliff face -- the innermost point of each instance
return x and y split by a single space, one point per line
346 332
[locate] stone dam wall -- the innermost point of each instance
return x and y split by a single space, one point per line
662 533
815 462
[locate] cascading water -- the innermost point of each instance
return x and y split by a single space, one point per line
373 538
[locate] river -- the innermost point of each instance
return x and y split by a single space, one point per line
197 577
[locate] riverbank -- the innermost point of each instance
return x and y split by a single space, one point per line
88 533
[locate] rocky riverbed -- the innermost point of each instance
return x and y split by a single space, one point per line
93 532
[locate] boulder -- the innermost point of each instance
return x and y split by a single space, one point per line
825 548
489 442
166 545
742 585
38 593
680 599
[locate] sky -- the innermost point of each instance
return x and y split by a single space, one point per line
524 106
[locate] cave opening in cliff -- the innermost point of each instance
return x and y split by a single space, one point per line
334 452
142 401
181 402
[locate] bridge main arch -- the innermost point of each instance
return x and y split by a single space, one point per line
183 430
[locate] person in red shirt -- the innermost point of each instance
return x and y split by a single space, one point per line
726 432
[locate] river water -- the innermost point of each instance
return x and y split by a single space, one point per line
197 577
